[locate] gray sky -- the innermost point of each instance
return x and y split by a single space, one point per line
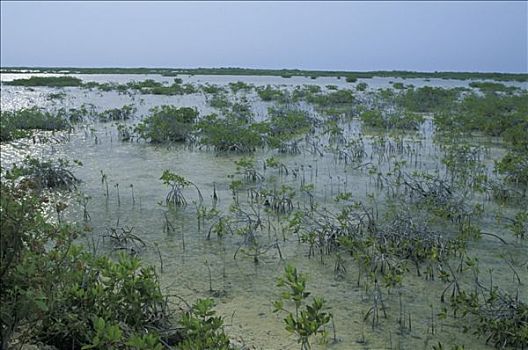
424 36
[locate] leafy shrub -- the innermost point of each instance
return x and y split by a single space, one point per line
17 124
167 123
203 330
219 101
268 93
57 293
44 174
231 134
65 296
514 166
400 121
61 81
373 118
491 87
494 314
493 115
361 86
117 114
343 96
428 99
240 85
289 121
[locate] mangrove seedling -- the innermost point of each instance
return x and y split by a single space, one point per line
306 321
177 183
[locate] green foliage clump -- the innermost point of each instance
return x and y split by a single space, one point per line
428 99
61 81
398 86
56 293
373 119
403 121
289 122
39 175
174 89
494 314
231 134
514 167
351 79
491 114
167 123
59 294
18 124
492 87
117 114
240 85
339 97
220 101
268 93
212 89
148 86
361 86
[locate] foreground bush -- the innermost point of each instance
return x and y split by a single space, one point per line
57 293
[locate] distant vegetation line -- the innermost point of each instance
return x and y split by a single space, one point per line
274 72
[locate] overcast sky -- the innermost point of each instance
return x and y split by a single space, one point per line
428 36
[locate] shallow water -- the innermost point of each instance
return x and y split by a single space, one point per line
243 290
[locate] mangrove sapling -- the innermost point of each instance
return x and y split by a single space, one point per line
339 267
377 305
83 200
273 162
203 330
132 193
246 167
104 181
308 320
118 197
177 183
221 226
167 225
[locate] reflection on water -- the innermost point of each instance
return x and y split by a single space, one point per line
242 289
